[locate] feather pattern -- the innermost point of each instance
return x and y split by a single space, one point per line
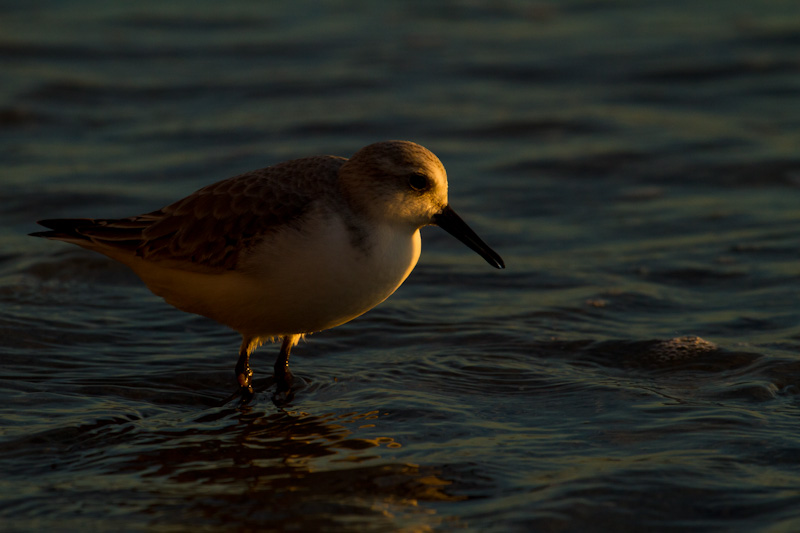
211 229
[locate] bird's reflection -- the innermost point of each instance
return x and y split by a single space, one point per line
290 469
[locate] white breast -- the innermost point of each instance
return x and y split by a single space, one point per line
319 279
296 280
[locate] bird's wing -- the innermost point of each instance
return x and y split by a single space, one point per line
209 230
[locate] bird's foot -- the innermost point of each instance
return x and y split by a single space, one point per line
245 395
282 398
245 391
283 386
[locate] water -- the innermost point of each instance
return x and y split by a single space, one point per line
634 368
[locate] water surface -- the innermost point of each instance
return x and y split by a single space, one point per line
634 368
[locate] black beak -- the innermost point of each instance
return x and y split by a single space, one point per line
449 221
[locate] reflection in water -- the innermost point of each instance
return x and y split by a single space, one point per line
287 471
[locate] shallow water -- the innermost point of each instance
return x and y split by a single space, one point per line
634 367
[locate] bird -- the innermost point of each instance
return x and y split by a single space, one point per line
288 250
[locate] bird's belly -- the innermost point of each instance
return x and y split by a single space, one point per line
319 281
328 281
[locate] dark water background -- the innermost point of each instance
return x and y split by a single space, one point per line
635 162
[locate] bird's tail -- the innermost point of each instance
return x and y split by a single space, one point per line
94 233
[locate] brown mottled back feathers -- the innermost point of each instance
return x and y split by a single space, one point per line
212 227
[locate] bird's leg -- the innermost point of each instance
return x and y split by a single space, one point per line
283 376
243 372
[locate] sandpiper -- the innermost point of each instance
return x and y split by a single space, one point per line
291 249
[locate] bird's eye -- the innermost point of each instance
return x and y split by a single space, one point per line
418 181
